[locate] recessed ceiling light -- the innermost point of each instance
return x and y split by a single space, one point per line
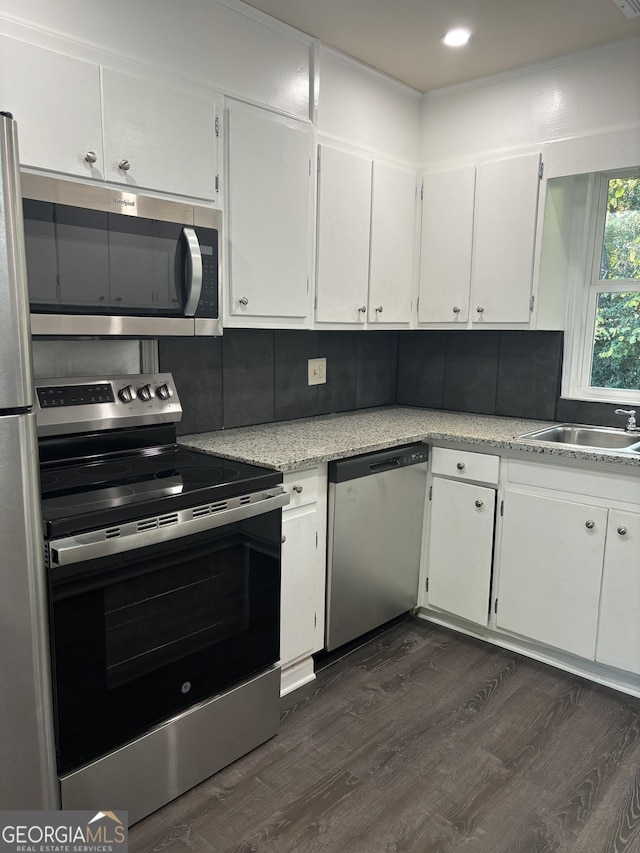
456 38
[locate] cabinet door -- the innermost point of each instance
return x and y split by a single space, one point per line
298 595
445 256
166 135
550 569
56 102
344 219
461 548
269 215
619 625
504 238
393 208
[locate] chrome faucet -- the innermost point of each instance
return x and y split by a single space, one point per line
631 425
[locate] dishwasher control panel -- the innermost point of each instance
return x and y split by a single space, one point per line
377 461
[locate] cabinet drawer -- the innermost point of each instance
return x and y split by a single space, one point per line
465 465
302 487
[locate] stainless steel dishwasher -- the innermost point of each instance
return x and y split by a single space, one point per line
376 511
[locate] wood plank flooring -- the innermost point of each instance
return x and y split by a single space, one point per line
425 741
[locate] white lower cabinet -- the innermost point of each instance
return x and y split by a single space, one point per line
298 603
303 572
619 620
550 570
559 580
460 548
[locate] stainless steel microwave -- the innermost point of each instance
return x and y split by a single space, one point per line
101 261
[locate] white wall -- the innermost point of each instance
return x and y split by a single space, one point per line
362 107
593 94
204 41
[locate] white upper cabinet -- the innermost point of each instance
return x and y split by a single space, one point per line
478 239
344 225
159 136
445 252
504 238
393 218
269 207
55 100
366 240
128 130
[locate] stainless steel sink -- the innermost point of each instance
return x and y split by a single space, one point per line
598 438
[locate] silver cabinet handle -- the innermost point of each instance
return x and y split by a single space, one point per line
479 504
460 466
622 531
480 309
91 157
243 300
455 309
193 272
283 538
125 165
297 489
362 309
589 524
379 309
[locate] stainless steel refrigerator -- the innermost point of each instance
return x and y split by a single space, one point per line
27 758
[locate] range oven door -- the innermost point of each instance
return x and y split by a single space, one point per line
140 636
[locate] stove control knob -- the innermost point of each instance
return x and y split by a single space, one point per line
127 393
164 392
145 393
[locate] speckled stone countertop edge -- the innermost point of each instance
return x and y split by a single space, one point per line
298 444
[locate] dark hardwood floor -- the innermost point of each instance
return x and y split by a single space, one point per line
425 741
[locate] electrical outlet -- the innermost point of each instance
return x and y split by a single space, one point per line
317 371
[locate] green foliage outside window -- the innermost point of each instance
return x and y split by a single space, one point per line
616 348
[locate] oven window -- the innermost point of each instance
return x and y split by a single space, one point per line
139 637
159 618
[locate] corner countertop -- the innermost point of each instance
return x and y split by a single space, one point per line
292 445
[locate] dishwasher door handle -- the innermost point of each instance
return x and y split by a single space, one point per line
384 466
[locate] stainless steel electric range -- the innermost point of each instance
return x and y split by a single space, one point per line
164 595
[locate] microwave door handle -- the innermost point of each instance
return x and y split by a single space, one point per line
194 272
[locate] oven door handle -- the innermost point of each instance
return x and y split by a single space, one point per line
128 537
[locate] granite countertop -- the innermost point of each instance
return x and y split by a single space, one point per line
292 445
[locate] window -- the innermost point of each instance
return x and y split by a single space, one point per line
606 330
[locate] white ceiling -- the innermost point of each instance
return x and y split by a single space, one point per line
402 37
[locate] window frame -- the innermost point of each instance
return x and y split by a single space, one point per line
581 309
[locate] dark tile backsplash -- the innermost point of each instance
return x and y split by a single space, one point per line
252 376
471 372
421 358
529 367
294 397
377 369
196 365
580 412
511 373
340 349
257 376
248 377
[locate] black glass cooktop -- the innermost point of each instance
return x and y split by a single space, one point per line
90 494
